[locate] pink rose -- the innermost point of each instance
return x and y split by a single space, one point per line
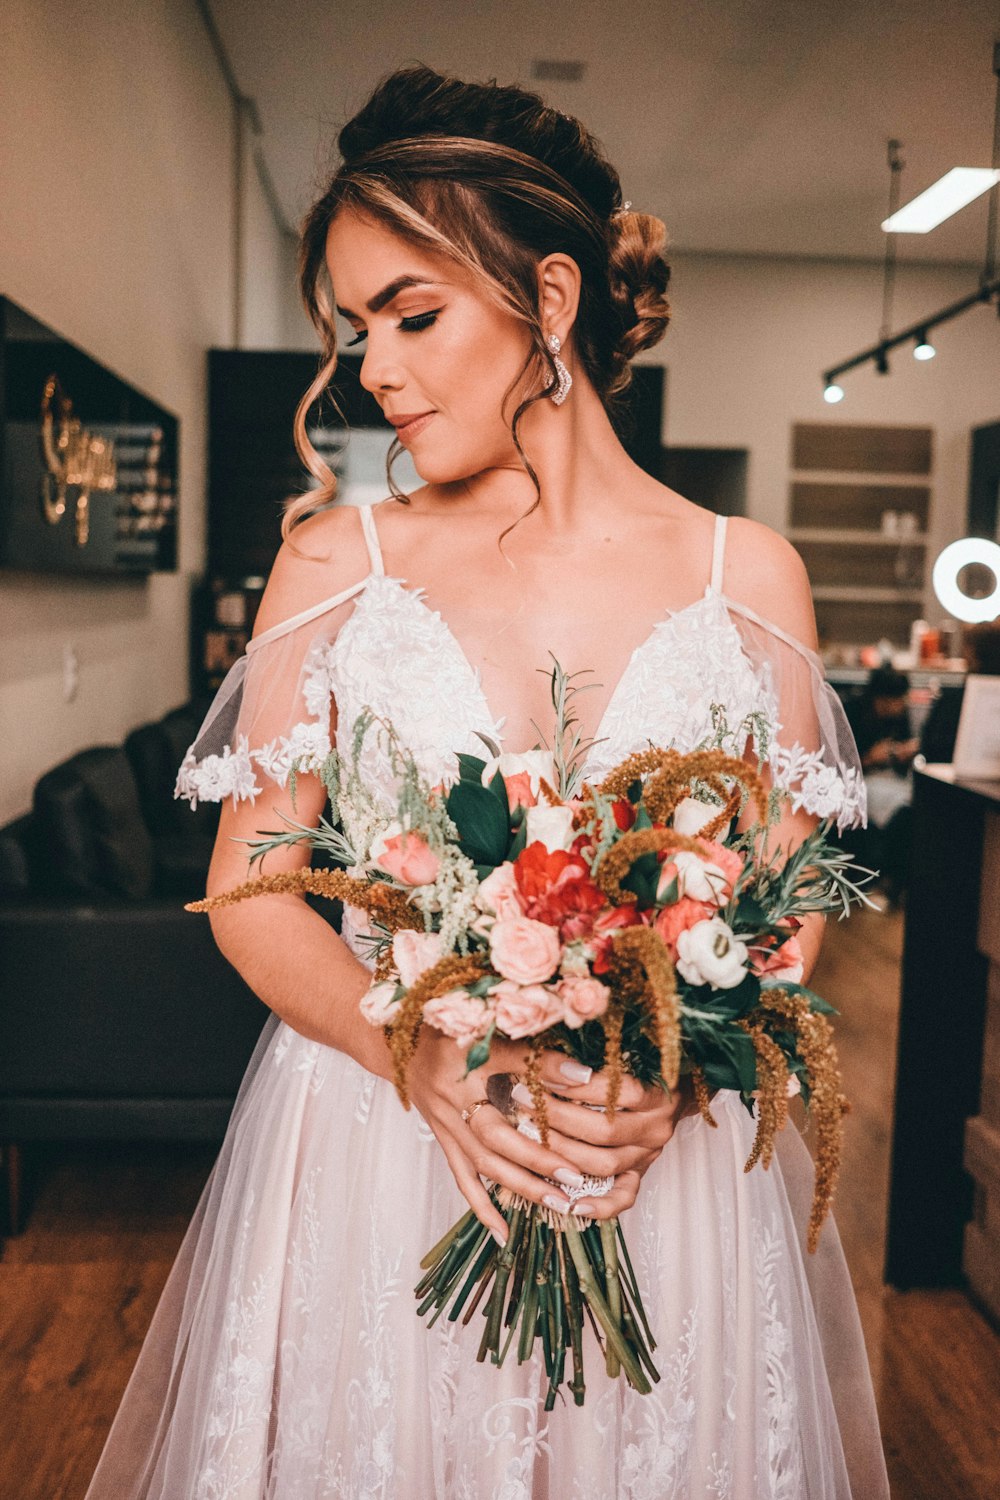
498 893
524 950
728 860
414 953
405 856
460 1016
525 1009
377 1005
679 917
786 962
583 999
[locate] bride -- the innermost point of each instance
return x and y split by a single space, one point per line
477 244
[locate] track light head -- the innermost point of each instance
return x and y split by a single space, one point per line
923 349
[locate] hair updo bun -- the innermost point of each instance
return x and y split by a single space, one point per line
639 275
492 177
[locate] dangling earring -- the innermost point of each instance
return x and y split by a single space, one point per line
564 379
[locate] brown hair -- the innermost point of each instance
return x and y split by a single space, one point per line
492 178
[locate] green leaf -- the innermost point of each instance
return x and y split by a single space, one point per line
670 895
519 841
482 826
642 818
470 767
643 878
499 789
476 1056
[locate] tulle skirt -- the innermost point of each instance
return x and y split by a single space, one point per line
286 1361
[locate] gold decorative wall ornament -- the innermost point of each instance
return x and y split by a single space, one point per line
74 459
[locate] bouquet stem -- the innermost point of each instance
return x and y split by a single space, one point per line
552 1272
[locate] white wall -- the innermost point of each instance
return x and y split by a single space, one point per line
749 339
116 190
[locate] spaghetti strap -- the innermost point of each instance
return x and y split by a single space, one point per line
371 540
718 554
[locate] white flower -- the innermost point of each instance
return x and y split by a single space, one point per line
690 816
535 764
710 953
377 1005
552 826
699 878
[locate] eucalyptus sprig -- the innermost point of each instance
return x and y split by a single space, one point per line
569 748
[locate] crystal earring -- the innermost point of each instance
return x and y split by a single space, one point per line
564 379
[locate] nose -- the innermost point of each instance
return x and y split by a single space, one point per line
377 373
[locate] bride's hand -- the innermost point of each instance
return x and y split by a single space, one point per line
487 1143
623 1147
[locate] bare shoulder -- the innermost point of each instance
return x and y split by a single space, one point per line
321 557
764 572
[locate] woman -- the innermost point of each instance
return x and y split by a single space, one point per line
477 244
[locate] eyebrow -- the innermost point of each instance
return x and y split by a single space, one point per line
384 297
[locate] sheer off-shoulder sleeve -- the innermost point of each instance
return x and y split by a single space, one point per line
809 747
274 709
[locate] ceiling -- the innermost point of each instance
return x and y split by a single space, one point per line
750 126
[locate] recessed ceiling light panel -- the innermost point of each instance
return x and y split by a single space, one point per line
942 199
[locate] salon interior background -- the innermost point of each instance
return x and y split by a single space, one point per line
157 177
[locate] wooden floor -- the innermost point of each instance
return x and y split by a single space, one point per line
78 1288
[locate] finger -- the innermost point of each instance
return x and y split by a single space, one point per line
474 1192
508 1174
600 1161
621 1197
583 1124
497 1135
565 1075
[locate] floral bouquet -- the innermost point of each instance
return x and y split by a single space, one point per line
622 924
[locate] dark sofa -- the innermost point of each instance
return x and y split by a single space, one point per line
119 1017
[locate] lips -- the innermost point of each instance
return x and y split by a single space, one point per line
408 424
403 419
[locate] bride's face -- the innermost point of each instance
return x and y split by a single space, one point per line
435 348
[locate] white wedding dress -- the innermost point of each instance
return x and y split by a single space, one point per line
286 1360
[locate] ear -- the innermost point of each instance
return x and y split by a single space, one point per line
558 293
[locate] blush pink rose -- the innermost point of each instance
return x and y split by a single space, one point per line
460 1016
679 917
498 893
583 999
728 860
415 952
525 1009
405 856
378 1006
786 962
524 950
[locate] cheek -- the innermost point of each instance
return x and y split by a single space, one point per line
476 362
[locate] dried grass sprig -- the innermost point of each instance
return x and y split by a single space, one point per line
702 1097
670 773
772 1093
647 949
388 903
448 973
632 845
827 1103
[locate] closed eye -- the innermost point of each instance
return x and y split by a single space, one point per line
416 324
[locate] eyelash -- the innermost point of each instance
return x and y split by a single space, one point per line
416 324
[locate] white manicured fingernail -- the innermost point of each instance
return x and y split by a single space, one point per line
574 1071
568 1178
557 1204
522 1095
583 1210
501 1239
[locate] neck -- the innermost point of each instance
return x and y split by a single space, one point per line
580 463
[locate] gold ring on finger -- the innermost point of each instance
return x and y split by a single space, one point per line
468 1113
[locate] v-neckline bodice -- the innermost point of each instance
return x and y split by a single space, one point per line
417 597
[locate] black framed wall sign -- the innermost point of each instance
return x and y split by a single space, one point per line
88 464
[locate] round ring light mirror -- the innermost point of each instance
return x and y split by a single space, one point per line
949 564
